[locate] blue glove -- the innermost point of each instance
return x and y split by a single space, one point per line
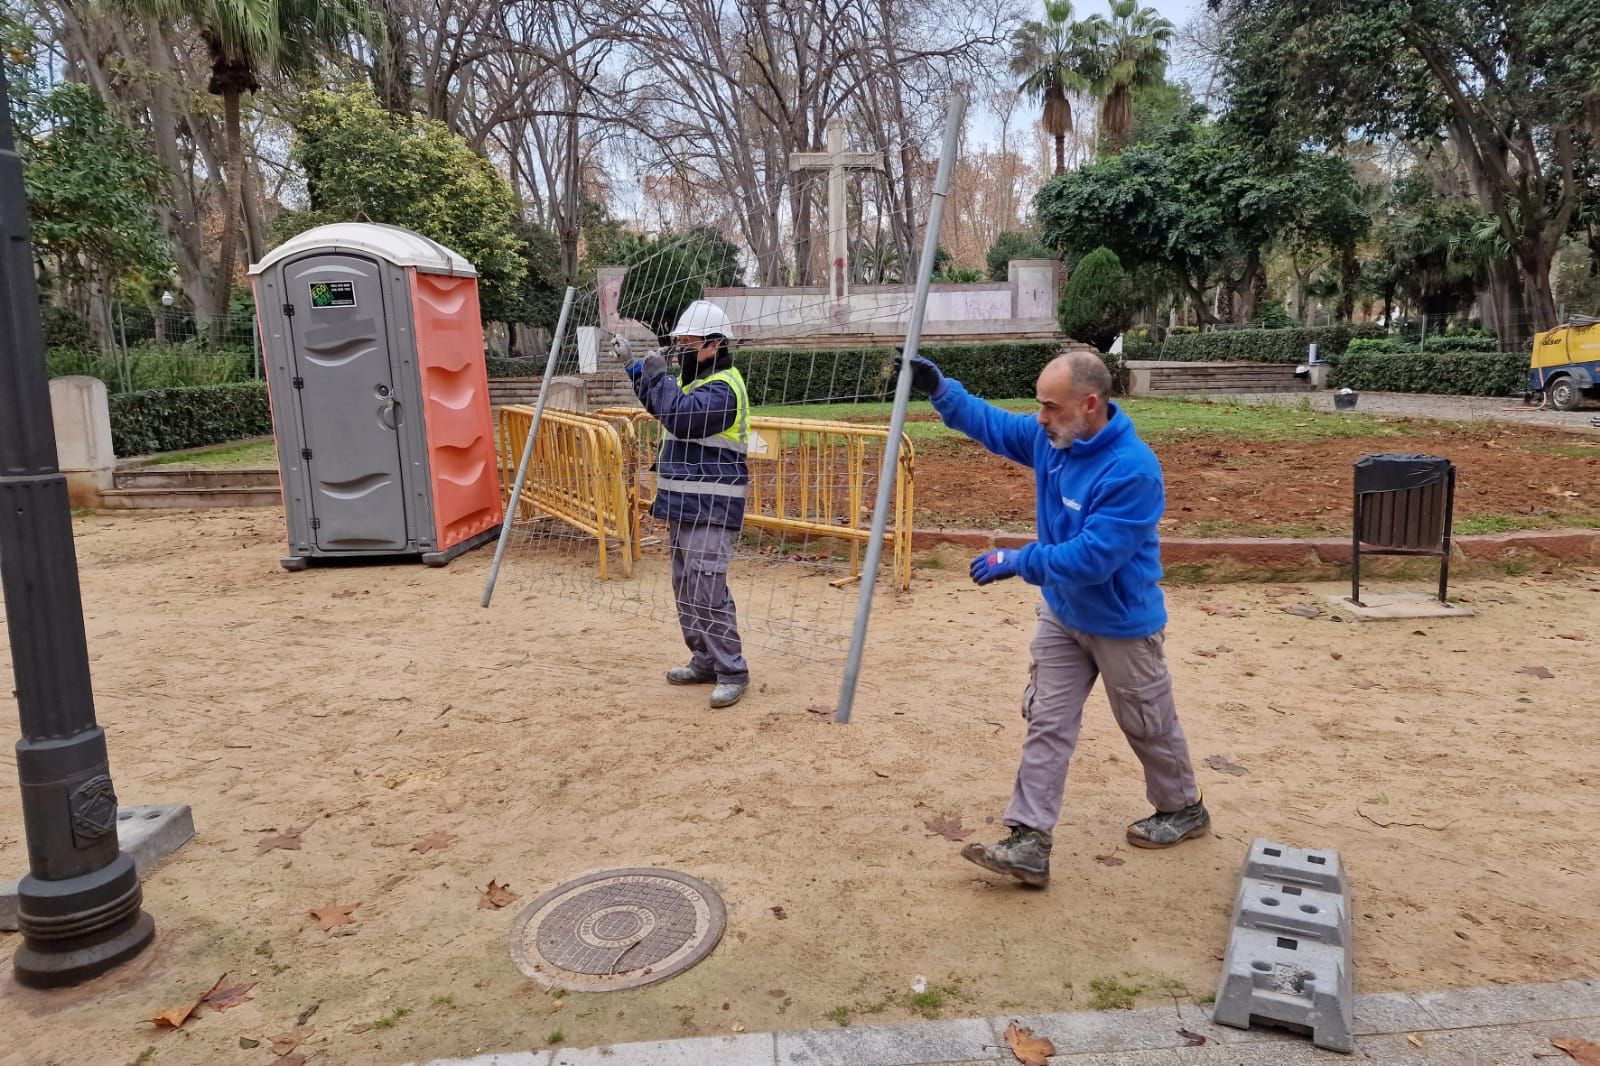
649 368
996 565
925 374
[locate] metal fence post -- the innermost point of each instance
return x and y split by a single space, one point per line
527 449
897 420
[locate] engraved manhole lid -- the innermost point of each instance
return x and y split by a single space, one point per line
617 929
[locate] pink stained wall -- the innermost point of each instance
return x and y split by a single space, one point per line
455 401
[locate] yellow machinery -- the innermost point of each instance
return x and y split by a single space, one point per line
1565 365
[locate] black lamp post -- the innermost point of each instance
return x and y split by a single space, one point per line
79 906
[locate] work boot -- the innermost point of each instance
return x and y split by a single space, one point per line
688 675
727 693
1166 828
1025 855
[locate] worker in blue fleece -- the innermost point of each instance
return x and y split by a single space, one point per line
1100 497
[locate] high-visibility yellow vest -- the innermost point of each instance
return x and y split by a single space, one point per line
737 436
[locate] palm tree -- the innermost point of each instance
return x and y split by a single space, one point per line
1048 56
1126 52
247 39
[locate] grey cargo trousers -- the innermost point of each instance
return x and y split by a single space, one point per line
1139 687
706 613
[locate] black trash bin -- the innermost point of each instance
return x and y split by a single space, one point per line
1403 506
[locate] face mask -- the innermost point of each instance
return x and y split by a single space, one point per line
679 353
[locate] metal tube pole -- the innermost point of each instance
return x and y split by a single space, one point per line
897 420
527 449
80 906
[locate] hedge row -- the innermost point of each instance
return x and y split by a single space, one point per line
781 376
166 420
1452 373
1254 345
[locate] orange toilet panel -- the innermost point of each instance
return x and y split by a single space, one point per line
455 399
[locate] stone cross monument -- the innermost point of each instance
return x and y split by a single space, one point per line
836 161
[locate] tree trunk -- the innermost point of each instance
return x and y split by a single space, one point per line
1061 153
1349 280
228 192
1537 259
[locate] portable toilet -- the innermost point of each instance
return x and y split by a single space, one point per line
380 395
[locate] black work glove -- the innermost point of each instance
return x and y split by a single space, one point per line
925 374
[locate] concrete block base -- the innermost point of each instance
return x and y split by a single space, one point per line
1382 606
146 834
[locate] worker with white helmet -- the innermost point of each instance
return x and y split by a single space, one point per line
701 479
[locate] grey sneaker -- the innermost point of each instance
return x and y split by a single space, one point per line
1025 855
1164 829
688 675
727 693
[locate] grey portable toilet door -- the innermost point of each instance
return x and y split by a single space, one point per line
349 413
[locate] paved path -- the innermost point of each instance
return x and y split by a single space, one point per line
1462 1027
1448 408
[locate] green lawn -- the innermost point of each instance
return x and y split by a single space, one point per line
1156 419
247 454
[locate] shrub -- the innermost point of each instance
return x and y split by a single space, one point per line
1459 342
1256 345
994 371
1097 303
165 420
154 366
1450 373
1379 344
1014 245
515 368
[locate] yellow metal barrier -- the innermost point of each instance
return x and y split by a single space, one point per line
807 476
577 474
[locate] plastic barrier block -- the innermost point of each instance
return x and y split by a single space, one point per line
1312 868
1288 958
1307 913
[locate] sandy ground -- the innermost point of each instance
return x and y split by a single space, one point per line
371 707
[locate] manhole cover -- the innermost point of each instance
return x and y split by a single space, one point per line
617 929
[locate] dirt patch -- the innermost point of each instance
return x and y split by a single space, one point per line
1220 485
369 710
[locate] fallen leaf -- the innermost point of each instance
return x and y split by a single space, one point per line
1191 1038
1572 636
778 913
1223 765
1414 1040
1336 655
1028 1049
1302 611
333 915
247 1044
224 997
496 896
289 841
434 842
820 711
1585 1052
1536 671
174 1018
1109 860
1221 610
284 1043
947 826
345 595
306 1014
289 1060
776 993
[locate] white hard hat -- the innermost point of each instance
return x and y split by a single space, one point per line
702 319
